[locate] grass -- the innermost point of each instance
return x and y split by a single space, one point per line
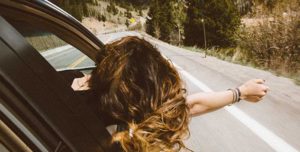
233 55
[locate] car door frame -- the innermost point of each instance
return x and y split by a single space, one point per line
55 107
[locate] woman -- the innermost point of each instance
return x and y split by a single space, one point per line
136 88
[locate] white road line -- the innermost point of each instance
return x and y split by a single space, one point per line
277 143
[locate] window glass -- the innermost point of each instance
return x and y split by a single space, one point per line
57 52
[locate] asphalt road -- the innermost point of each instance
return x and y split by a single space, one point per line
267 126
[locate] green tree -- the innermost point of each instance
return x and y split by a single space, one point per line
221 19
166 21
77 8
160 21
152 26
179 16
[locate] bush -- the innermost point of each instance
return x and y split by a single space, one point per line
274 45
137 27
128 14
111 8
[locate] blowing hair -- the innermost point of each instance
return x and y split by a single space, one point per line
135 85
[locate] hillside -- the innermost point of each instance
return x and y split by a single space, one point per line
105 15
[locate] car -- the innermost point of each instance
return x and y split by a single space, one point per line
39 111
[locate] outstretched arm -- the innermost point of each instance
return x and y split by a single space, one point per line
200 103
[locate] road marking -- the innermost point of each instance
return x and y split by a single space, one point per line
277 143
77 62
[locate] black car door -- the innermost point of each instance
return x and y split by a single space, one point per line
38 105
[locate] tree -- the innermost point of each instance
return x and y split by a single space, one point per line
77 8
221 19
152 26
166 22
179 16
160 22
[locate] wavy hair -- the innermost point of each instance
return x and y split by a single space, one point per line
137 86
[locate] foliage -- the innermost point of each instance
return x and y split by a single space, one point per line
141 13
152 23
78 9
101 17
165 18
111 8
137 27
244 6
131 4
221 20
274 45
128 14
127 23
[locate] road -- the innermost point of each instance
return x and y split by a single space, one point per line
270 125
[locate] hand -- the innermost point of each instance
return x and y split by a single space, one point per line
81 83
253 90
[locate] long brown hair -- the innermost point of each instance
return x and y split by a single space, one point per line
136 85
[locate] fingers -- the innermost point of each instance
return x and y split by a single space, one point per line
262 90
253 98
260 81
254 90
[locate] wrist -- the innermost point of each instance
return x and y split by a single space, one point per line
243 92
236 94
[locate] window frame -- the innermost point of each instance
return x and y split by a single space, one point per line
59 105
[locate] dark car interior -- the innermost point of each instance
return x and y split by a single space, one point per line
36 102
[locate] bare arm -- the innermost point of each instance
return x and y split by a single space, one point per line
200 103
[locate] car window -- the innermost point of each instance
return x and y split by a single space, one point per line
57 52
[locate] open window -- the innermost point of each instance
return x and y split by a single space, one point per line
33 95
60 54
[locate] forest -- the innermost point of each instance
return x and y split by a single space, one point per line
260 33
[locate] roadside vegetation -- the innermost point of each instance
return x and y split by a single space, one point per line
273 41
98 16
260 33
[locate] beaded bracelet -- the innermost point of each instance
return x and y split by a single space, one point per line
236 94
